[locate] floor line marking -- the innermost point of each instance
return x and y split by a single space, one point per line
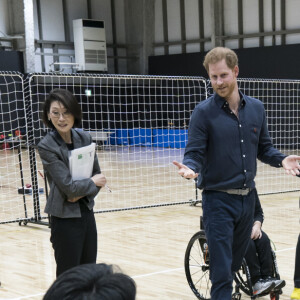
287 249
141 276
26 297
159 272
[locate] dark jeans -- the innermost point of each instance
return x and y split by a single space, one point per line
259 258
297 265
228 222
74 240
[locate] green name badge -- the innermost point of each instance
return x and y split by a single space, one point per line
80 156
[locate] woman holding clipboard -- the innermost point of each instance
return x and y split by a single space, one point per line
70 202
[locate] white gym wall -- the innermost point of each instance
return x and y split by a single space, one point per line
52 23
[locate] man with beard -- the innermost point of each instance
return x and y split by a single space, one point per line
227 133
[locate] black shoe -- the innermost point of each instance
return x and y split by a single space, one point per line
262 286
279 283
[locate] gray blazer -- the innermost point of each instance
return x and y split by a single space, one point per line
54 154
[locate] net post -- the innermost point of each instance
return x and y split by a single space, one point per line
32 154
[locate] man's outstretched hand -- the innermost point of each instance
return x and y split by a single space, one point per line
185 171
291 165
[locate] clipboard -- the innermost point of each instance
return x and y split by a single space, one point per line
81 162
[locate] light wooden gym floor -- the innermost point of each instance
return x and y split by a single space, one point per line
148 244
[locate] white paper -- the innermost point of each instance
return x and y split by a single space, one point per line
81 162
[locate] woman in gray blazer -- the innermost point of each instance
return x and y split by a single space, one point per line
70 202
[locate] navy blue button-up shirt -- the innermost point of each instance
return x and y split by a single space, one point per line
224 148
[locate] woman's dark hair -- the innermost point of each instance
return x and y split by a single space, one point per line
92 282
68 100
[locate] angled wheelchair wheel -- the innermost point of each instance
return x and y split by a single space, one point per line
275 295
242 279
196 265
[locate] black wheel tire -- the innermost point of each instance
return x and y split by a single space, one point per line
196 266
243 280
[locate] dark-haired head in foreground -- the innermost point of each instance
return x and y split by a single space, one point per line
92 281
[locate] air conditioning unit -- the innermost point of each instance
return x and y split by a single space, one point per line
90 45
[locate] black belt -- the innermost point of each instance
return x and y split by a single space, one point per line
242 192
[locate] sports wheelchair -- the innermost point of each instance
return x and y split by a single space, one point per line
196 265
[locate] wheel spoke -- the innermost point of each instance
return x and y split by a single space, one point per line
197 269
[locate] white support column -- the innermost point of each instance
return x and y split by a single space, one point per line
139 19
216 22
29 36
148 34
